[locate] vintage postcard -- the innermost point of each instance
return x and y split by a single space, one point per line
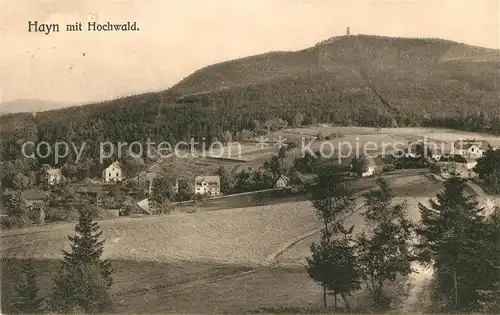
250 156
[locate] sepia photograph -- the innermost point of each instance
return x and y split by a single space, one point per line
250 157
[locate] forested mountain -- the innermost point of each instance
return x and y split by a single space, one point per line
362 80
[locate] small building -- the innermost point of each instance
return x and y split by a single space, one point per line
412 151
375 166
458 164
365 166
441 151
207 185
113 173
470 148
307 179
282 182
35 199
53 176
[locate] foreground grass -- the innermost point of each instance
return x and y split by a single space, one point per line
235 236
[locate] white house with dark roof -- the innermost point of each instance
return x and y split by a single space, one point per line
374 165
207 185
470 148
113 173
53 176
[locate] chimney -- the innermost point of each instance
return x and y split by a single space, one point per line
348 31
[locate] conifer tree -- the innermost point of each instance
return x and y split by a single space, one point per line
455 241
27 297
84 277
15 207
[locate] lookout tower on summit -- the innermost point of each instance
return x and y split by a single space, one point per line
348 31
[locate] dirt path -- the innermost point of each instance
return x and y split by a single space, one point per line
417 282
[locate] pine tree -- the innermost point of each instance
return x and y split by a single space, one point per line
27 298
454 240
384 252
490 287
84 278
488 169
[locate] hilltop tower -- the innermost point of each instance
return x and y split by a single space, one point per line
348 31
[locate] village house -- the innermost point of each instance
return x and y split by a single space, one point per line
282 182
53 176
470 148
374 166
207 185
113 173
412 151
307 179
458 164
439 153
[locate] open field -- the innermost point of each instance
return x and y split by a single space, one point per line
194 288
394 138
243 236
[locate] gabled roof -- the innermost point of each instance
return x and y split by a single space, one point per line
468 143
284 178
457 158
116 164
211 180
307 179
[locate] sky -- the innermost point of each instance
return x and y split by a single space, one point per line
177 37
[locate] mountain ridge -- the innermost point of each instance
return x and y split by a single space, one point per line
358 80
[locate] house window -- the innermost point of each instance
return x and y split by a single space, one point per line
117 174
109 174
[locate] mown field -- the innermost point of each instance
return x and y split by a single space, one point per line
244 236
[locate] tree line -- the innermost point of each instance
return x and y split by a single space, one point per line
455 238
81 283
